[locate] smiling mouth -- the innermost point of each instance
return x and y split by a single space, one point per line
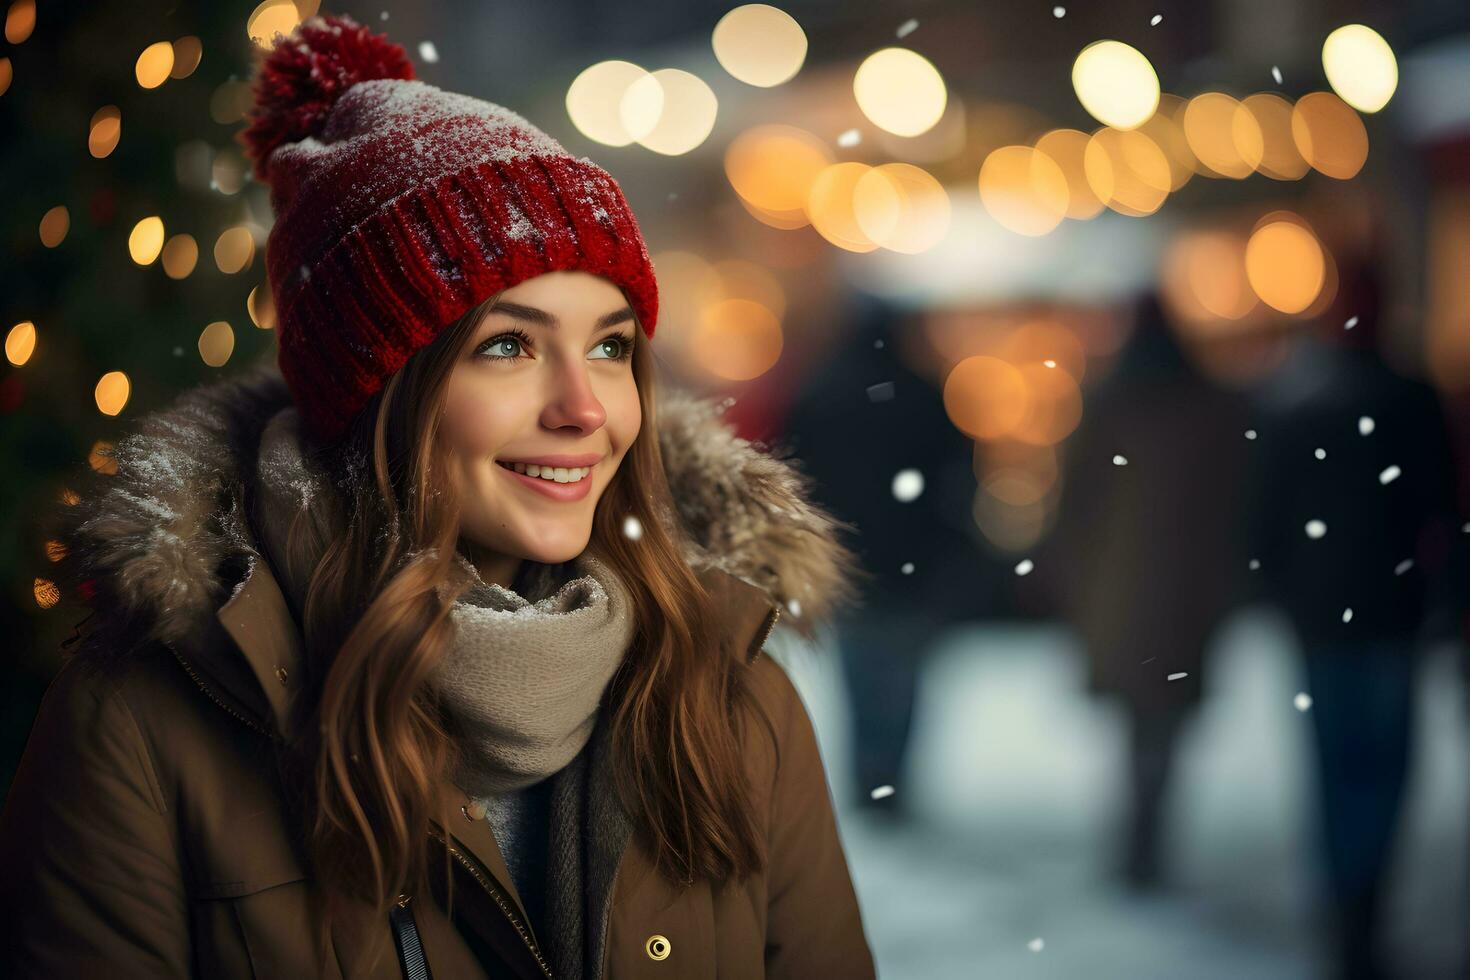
551 474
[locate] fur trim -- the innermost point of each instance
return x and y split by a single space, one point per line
155 546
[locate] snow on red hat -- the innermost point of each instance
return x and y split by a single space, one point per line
399 207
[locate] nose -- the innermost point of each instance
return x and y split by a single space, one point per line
573 402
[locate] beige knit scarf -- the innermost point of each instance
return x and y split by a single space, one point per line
525 675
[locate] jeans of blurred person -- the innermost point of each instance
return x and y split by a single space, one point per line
1153 739
1362 714
881 656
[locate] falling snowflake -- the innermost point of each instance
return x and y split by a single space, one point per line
632 528
1156 20
881 392
1250 433
1255 564
1036 945
1347 615
907 568
1403 566
1315 528
1320 453
879 792
907 27
428 52
878 344
1059 12
1024 566
1179 676
793 606
383 15
1365 425
1303 701
1120 460
1049 363
1352 321
1389 475
1276 74
907 485
849 137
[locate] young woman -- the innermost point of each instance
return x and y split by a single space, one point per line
437 651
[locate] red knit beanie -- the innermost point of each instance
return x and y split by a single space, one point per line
399 207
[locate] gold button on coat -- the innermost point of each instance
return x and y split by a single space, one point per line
657 947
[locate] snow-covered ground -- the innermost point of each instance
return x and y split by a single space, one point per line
1017 778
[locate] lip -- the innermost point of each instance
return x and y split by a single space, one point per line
565 492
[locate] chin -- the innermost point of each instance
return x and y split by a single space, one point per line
550 551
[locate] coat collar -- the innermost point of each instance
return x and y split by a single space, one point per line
165 548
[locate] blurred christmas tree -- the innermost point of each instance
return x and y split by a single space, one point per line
135 245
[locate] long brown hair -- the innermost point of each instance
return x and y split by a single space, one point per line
374 744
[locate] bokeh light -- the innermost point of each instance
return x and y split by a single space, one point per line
20 20
830 206
216 343
6 71
773 167
595 102
1067 149
1225 139
900 91
1360 67
111 393
146 240
985 397
270 18
686 115
101 459
1329 135
1023 189
234 250
188 51
155 64
901 207
1280 159
1116 84
1284 263
261 305
737 340
180 255
1129 168
759 45
104 132
1203 277
54 225
20 343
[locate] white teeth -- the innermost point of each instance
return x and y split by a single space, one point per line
558 474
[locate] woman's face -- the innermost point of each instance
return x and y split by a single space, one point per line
546 376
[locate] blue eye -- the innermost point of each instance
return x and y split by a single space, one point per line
522 339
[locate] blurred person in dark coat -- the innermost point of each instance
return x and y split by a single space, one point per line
1354 507
863 417
1146 551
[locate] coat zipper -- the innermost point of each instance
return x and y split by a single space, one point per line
770 624
189 669
495 893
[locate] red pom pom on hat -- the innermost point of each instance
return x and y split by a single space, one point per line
303 76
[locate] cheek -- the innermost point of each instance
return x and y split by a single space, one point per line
471 426
625 417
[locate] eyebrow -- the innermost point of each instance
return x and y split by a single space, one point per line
548 320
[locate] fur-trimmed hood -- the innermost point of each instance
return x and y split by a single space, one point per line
161 545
